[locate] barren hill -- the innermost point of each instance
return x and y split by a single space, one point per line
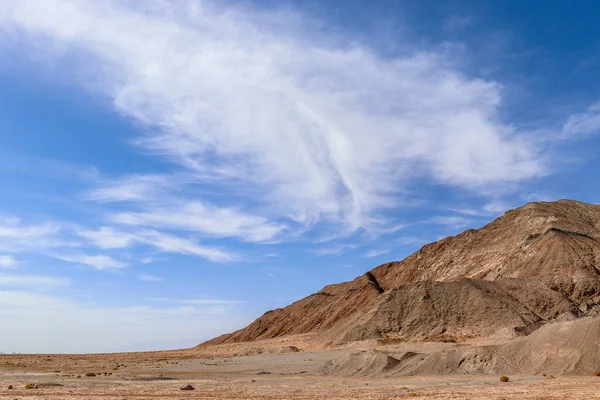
535 264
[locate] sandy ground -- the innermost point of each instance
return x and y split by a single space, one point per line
159 375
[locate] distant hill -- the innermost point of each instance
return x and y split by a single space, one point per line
536 264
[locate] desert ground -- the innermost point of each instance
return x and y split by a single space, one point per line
289 375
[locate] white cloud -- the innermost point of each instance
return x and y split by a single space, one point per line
132 188
489 209
150 278
258 106
97 261
158 207
584 123
7 262
410 241
375 253
198 301
212 221
475 212
16 236
334 249
453 222
107 238
31 281
176 244
496 208
110 238
59 240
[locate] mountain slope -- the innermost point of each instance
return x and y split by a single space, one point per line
534 264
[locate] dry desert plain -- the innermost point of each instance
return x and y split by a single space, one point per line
288 375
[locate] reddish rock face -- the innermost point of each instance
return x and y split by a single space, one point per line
535 264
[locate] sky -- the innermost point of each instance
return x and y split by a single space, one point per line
170 170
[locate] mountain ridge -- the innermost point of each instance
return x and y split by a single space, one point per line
534 264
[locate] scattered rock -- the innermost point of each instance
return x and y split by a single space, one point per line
10 387
187 387
49 384
153 378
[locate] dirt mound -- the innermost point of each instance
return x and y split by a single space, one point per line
270 350
566 348
560 348
536 264
368 363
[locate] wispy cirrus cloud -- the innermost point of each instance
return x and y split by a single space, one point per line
177 244
376 252
107 237
489 209
304 127
152 203
584 123
78 244
111 238
450 221
132 188
205 220
97 261
199 301
150 278
334 249
16 235
411 241
8 262
53 239
31 281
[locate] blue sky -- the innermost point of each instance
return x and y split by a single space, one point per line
171 171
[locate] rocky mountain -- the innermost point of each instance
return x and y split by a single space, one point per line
533 265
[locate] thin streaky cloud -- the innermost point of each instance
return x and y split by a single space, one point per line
411 241
96 261
292 121
133 188
176 244
204 219
334 249
199 301
584 123
150 278
32 281
449 221
375 253
8 262
112 238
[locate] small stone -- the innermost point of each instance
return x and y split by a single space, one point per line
10 387
187 387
